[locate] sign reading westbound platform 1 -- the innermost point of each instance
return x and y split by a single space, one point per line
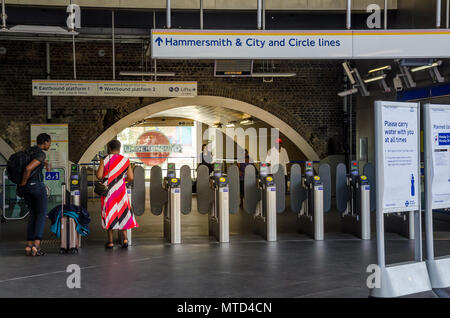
299 44
113 88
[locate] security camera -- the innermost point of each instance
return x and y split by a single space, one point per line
348 92
398 84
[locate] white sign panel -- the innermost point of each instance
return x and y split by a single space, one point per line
113 88
147 89
401 43
274 44
438 136
64 88
197 44
58 154
397 156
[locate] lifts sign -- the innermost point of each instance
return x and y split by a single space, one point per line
300 44
153 148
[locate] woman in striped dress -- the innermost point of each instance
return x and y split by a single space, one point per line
116 209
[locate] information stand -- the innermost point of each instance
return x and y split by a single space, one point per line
397 141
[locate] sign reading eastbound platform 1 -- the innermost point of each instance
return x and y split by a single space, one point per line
113 88
438 137
299 44
397 147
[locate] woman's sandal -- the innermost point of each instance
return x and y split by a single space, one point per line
125 245
28 249
109 245
37 251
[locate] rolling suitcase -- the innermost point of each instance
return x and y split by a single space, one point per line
70 238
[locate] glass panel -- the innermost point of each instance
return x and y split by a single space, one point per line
15 207
53 181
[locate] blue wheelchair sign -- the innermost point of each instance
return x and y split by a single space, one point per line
52 175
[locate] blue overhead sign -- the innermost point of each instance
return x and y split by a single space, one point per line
273 44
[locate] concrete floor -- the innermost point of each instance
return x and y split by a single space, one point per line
295 266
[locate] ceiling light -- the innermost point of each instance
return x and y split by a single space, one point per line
131 73
231 124
274 74
39 30
425 67
374 79
247 121
387 67
348 92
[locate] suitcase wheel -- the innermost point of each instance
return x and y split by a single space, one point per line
62 251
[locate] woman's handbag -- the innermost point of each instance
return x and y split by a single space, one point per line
102 188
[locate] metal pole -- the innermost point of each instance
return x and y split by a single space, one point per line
74 58
201 14
428 194
49 100
264 14
385 13
349 14
418 214
156 77
448 15
259 15
438 13
3 15
113 47
168 20
379 186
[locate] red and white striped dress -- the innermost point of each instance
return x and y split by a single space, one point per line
116 209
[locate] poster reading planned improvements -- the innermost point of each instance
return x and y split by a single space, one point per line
438 137
397 155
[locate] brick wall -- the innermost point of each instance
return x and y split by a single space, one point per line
307 102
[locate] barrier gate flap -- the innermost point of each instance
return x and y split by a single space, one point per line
83 187
369 172
205 195
233 188
325 177
185 189
138 191
296 188
280 182
158 196
251 192
342 190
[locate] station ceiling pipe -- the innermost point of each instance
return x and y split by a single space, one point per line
201 14
438 13
113 46
3 15
349 14
386 13
259 15
168 14
49 99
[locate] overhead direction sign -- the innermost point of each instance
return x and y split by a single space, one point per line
300 44
113 88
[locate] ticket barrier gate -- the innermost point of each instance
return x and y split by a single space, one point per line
260 199
218 196
353 200
400 223
310 198
171 196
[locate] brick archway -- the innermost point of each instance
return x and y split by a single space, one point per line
217 101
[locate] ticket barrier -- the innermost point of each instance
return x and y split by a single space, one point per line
310 198
260 199
353 200
218 196
171 196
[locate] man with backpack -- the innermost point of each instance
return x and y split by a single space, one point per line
25 169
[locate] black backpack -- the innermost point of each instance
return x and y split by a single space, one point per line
16 165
